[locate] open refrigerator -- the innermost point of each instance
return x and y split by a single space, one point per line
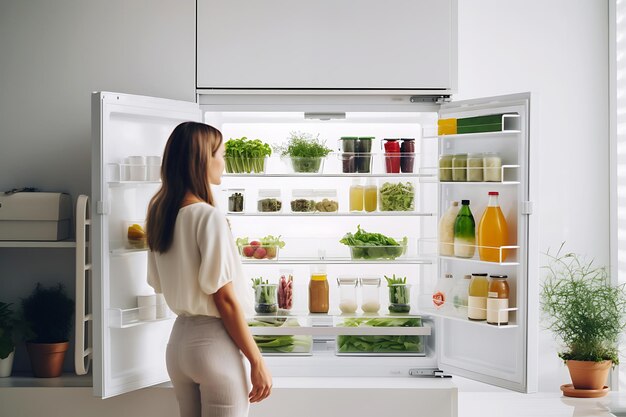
129 346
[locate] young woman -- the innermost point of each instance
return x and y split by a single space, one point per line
193 262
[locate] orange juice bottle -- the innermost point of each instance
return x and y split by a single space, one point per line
493 232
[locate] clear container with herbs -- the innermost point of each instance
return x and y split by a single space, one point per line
269 201
265 296
399 294
396 196
302 201
236 200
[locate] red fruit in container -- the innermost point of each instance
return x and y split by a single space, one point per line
260 253
255 243
271 252
248 251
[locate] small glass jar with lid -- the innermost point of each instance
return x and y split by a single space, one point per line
459 167
235 200
326 200
269 200
445 168
347 294
492 164
475 167
370 295
302 201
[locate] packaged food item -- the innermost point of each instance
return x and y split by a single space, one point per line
364 154
459 167
285 290
264 248
392 156
370 197
441 295
407 150
326 200
136 234
464 232
445 168
446 230
446 126
459 294
493 232
236 200
396 196
302 201
475 167
477 297
356 195
347 294
492 167
498 300
370 295
480 124
281 344
269 200
399 294
264 296
318 290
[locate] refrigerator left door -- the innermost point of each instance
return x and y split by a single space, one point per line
129 134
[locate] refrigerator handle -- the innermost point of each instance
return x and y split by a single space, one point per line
83 340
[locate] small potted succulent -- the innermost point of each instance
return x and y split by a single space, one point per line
244 156
7 343
587 315
305 152
48 314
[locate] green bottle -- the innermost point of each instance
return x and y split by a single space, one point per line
464 232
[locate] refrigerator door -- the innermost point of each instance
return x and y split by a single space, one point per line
129 342
504 355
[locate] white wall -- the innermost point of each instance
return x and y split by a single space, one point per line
557 50
53 54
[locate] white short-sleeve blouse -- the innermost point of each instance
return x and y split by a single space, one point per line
203 258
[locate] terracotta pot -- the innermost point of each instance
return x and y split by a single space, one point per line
589 374
6 365
46 359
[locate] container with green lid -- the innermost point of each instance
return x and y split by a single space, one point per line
349 143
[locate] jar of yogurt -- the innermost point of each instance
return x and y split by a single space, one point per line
492 167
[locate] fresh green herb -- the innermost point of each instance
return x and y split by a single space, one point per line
302 205
305 150
399 300
264 296
397 196
381 344
245 155
366 245
269 205
582 308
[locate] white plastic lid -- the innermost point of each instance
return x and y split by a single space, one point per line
302 193
269 192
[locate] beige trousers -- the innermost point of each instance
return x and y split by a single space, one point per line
206 369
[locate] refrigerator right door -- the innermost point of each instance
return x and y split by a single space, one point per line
484 148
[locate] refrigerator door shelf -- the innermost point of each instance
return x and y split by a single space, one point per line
510 124
131 317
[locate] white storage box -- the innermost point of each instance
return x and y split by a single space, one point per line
35 216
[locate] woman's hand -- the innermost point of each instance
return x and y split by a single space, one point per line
261 382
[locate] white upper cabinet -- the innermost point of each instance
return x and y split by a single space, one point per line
327 44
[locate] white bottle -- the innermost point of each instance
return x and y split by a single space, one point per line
446 230
441 295
459 295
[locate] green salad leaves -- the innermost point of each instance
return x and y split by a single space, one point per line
366 245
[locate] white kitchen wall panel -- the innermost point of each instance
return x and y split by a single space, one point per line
326 44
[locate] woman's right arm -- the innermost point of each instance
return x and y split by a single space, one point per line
235 323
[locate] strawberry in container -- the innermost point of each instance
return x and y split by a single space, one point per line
264 248
285 290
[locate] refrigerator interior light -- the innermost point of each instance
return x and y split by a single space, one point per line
325 116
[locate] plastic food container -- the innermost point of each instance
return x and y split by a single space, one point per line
396 196
382 345
265 298
445 168
302 200
306 165
347 294
269 201
134 232
399 298
256 251
236 201
475 167
379 252
280 345
370 295
326 200
492 164
459 167
237 165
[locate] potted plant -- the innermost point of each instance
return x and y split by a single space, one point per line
587 314
244 155
48 314
7 344
305 151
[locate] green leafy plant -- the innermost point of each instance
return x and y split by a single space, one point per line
380 344
243 155
265 295
305 150
581 307
366 245
7 325
399 301
48 313
397 196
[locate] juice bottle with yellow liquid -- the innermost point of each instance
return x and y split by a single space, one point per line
356 196
370 197
493 232
477 298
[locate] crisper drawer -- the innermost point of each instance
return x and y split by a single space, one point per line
281 336
381 336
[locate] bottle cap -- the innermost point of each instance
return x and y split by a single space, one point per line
465 202
479 274
494 193
498 276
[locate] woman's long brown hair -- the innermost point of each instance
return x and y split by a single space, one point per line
186 160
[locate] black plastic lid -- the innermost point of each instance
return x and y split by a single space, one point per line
480 274
498 276
465 202
408 139
391 139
